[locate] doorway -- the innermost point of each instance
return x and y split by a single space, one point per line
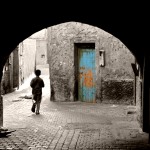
85 71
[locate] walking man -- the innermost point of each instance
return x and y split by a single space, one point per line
37 84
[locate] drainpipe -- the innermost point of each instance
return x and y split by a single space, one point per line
35 58
1 108
135 85
146 97
136 73
1 98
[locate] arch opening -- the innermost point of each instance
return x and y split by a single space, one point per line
74 43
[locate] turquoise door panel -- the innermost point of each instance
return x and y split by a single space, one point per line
86 85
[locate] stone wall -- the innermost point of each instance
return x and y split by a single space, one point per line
139 98
117 77
15 68
19 66
117 68
7 78
117 91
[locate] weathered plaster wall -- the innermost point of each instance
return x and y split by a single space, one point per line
42 34
117 69
41 52
41 46
117 76
27 52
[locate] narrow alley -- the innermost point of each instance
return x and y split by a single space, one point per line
69 125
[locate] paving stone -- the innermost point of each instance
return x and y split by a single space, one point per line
70 126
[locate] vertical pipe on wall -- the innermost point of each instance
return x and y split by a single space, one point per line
145 98
101 65
1 108
1 98
135 85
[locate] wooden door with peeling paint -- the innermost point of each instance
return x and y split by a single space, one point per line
86 74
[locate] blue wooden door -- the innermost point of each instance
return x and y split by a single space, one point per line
87 75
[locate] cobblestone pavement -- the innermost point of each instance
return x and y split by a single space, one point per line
69 125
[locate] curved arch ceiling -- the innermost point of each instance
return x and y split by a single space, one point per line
125 23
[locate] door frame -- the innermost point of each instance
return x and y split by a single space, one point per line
77 47
73 48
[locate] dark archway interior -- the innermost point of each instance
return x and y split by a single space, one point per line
125 21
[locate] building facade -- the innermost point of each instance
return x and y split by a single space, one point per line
19 66
41 46
88 64
8 82
27 61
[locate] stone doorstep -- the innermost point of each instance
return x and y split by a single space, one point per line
131 110
3 129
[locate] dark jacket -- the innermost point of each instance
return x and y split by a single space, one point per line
37 83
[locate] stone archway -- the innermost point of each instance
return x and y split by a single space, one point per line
130 31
